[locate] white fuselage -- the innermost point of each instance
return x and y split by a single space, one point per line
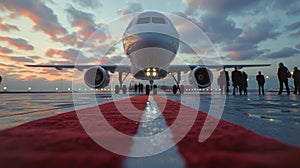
150 42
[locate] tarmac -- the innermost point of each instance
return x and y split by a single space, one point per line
160 132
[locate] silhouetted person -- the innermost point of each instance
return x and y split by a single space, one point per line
223 82
139 87
260 82
244 83
135 88
0 79
296 77
283 75
142 88
236 80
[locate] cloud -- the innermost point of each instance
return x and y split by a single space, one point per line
131 8
244 54
5 50
295 35
261 31
88 3
85 24
43 17
219 28
7 27
246 45
293 26
222 7
70 39
112 60
16 59
291 7
70 56
17 42
284 53
298 46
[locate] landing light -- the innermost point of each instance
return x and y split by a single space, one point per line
148 73
154 73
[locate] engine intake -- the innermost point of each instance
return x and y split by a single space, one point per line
96 77
201 77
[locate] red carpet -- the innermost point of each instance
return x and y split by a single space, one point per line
60 141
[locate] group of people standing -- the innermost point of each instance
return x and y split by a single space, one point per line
139 88
240 81
284 74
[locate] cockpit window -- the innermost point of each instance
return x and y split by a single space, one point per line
143 20
158 20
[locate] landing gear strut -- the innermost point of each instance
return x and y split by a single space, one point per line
121 86
177 86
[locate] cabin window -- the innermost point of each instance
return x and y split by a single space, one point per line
143 20
158 20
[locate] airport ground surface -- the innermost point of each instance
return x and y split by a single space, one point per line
58 138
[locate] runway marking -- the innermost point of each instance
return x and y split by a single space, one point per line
145 142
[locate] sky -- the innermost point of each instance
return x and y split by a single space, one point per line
55 32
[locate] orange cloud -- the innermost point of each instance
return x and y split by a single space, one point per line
7 27
5 50
17 42
43 17
85 24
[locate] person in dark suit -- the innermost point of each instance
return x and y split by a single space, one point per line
283 75
135 88
236 80
223 82
244 83
296 77
260 82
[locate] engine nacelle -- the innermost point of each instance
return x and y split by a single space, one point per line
96 77
201 77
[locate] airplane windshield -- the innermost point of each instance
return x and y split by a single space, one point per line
143 20
158 20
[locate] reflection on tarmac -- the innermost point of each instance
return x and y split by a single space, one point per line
271 115
16 109
153 137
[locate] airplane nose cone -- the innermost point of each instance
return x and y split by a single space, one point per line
144 40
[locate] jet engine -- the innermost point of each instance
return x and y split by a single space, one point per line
96 77
201 77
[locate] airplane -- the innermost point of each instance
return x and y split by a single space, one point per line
151 43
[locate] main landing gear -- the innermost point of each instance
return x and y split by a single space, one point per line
122 87
151 87
177 87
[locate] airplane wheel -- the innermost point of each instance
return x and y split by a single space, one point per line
147 89
124 89
117 89
155 89
181 89
174 89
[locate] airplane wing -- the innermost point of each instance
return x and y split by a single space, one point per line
186 68
126 68
111 68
